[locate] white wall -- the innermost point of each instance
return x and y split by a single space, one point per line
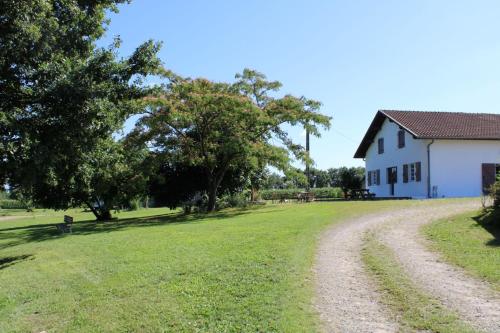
414 151
456 166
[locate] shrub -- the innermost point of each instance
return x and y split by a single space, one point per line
495 193
12 204
135 204
197 204
320 192
327 192
232 200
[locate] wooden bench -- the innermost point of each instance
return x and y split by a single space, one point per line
66 226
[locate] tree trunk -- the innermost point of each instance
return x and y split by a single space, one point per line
101 213
253 194
104 214
214 181
212 196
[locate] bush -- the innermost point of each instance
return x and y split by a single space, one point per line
327 192
135 204
495 194
289 194
232 200
12 204
197 204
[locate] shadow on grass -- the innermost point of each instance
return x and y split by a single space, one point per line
41 232
9 261
490 221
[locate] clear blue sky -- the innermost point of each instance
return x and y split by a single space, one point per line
354 56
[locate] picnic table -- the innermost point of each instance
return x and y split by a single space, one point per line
359 193
305 197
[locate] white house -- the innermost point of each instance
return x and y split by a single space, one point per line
431 154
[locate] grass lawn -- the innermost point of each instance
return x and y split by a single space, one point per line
415 310
471 241
154 270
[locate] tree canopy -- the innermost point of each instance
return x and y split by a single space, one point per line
62 98
217 126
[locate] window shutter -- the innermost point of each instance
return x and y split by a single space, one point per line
401 139
369 178
378 177
418 171
381 145
405 173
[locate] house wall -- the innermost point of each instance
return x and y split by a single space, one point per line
415 150
456 166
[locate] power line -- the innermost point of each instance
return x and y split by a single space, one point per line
345 136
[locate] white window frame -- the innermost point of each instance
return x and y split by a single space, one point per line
374 179
412 172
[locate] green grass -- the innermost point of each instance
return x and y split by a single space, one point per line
471 241
412 308
156 271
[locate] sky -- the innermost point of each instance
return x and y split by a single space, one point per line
356 57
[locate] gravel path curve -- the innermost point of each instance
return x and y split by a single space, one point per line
474 300
346 298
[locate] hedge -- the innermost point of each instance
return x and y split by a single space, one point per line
11 204
321 192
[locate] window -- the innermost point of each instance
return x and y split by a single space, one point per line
381 145
374 177
412 172
401 138
392 175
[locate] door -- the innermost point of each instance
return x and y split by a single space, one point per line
489 174
392 178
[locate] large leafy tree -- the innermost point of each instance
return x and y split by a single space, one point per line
319 178
217 126
62 98
350 177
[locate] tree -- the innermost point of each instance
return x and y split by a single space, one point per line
273 181
319 178
257 179
350 177
173 184
62 98
218 126
334 177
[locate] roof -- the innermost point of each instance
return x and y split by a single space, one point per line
435 125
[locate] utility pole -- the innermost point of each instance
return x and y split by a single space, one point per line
308 172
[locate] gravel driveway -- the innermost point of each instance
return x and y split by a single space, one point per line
346 298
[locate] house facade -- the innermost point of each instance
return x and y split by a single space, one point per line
430 154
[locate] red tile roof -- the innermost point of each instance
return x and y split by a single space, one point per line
436 125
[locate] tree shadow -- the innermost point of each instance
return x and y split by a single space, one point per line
42 232
489 219
9 261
